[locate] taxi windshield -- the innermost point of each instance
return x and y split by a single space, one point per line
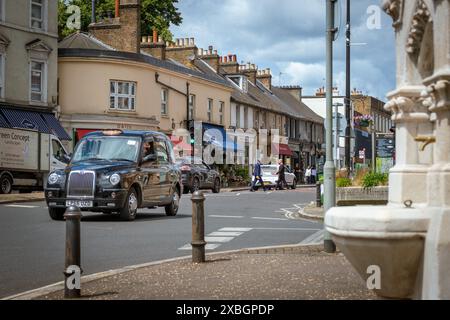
107 148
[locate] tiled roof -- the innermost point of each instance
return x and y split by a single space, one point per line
130 56
299 107
81 40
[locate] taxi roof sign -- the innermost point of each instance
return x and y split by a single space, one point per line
112 132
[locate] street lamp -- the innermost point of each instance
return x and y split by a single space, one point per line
329 168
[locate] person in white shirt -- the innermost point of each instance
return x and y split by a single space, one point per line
308 175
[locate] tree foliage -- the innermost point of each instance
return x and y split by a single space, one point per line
155 14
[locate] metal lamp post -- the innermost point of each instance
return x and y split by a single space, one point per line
329 168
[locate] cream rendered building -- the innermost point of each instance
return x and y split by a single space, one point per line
105 88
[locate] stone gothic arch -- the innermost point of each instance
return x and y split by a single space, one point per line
420 42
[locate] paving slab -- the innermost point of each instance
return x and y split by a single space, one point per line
289 273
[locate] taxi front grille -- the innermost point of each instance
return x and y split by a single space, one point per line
81 184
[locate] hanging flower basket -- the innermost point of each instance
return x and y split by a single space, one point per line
363 121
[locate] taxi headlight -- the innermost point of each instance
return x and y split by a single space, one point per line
53 178
114 179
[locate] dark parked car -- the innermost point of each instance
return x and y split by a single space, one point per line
196 174
117 171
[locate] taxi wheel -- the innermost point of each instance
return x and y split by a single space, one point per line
216 188
172 208
195 185
56 213
129 210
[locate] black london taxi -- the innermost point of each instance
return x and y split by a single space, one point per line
117 171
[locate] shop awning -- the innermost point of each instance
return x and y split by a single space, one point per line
55 126
26 120
32 120
3 123
282 149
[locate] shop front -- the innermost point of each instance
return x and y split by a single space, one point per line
80 125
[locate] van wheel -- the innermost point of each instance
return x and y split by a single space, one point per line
172 208
129 210
216 188
5 184
57 213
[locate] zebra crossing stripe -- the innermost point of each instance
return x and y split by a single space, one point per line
219 237
209 246
235 229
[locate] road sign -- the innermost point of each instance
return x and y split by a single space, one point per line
362 154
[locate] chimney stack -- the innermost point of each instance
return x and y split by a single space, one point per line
211 57
250 71
265 77
123 32
295 91
154 45
183 51
229 64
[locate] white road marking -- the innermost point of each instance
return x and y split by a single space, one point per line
225 234
235 229
209 246
278 219
238 194
21 206
316 237
219 216
218 239
288 229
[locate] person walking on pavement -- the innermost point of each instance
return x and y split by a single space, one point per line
308 175
281 179
313 174
257 176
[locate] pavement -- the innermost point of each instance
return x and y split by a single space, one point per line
21 197
311 211
39 196
296 272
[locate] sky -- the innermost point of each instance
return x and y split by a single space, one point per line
288 36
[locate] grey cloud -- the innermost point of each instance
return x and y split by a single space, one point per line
286 34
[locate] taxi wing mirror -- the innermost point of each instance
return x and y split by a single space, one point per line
149 158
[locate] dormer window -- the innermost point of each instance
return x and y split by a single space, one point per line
240 81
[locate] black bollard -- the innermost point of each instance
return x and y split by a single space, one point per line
198 227
318 195
72 270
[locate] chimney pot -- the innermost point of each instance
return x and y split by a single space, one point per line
160 39
225 59
144 39
155 36
215 52
117 10
186 42
192 42
234 58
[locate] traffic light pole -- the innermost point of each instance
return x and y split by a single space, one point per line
329 168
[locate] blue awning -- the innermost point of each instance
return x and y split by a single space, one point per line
3 123
33 120
25 120
55 126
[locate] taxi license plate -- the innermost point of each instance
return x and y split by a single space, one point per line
79 203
